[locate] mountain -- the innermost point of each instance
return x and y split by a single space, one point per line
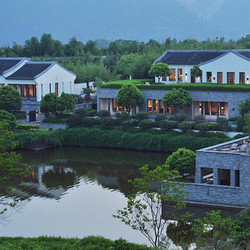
123 19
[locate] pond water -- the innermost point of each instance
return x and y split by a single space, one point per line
75 191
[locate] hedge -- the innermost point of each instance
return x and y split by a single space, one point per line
187 86
99 138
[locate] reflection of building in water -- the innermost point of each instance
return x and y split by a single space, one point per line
49 181
108 181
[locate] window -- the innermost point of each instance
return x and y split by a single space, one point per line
114 105
222 109
150 106
242 78
213 108
161 107
219 77
237 178
50 88
172 77
56 88
179 75
164 78
231 77
41 90
155 104
209 76
224 177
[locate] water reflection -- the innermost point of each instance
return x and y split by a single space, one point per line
54 171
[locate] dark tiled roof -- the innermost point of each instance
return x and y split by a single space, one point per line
7 63
192 57
29 71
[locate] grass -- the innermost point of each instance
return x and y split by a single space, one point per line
188 86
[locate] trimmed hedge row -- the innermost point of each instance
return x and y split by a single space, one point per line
188 86
95 137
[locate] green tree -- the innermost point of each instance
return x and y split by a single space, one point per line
159 69
10 172
9 118
49 104
178 98
47 45
144 208
10 99
65 102
196 72
211 229
244 107
129 96
124 65
183 160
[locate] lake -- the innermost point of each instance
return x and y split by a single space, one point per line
75 191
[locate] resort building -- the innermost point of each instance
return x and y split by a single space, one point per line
35 79
217 66
221 175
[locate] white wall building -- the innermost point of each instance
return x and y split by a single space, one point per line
218 66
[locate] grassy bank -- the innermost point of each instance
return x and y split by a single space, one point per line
101 138
47 243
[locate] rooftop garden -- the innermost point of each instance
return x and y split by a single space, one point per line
141 84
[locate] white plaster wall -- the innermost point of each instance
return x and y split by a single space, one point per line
227 63
79 86
185 69
55 74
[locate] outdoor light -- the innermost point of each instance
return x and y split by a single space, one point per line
214 78
186 74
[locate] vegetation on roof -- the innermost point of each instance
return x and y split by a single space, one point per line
188 86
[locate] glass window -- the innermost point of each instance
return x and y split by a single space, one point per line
149 106
172 77
219 77
222 108
155 102
213 108
207 108
242 77
114 105
231 77
161 107
164 78
209 76
50 88
56 88
179 75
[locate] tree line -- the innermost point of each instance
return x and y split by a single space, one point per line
103 60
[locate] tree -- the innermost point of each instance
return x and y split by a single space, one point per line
129 96
244 107
124 65
159 69
10 173
178 98
196 72
211 229
65 102
144 208
47 45
183 160
9 118
10 99
49 104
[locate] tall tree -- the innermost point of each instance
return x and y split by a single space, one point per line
47 45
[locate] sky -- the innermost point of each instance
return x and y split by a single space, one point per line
139 20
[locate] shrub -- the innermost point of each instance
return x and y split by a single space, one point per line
123 116
91 112
179 117
159 118
81 112
240 122
146 124
24 127
127 125
223 123
9 118
90 122
183 160
165 126
185 126
20 115
202 127
55 120
200 119
75 121
103 113
141 116
107 123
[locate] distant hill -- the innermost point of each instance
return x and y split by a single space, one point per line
123 19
